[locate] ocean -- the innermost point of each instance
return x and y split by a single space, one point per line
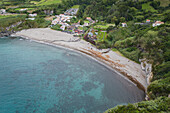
40 78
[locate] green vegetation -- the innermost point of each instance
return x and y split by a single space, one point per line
56 27
103 26
28 9
101 36
147 7
8 20
164 3
161 104
86 21
37 23
29 2
7 16
46 2
76 6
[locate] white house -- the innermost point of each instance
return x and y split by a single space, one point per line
157 23
63 27
33 15
23 9
124 25
30 19
2 11
89 18
148 21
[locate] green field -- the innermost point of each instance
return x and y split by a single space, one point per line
101 36
76 6
28 9
7 16
86 21
46 2
165 3
103 26
147 7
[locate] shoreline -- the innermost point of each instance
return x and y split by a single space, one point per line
121 65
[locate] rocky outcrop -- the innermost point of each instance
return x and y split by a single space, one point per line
6 33
8 30
48 12
147 67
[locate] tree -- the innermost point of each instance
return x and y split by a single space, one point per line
115 20
81 22
122 19
109 29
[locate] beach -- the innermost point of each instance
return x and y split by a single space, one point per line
122 65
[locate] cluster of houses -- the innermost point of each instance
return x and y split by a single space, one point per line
64 19
2 11
157 23
91 36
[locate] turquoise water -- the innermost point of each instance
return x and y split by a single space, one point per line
38 78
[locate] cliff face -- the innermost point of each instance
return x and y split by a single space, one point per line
7 31
147 67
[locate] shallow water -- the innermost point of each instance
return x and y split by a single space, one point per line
38 78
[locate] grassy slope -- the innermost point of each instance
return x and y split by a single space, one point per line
104 26
31 2
165 3
46 2
76 6
7 16
147 7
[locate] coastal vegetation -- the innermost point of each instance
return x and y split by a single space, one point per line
138 40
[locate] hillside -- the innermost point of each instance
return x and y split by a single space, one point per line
28 2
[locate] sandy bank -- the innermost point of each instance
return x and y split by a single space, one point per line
121 64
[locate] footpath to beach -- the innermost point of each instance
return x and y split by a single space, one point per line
123 65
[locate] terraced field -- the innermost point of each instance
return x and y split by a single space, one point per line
29 3
46 2
165 3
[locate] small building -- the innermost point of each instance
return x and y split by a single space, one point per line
54 22
76 24
86 24
2 11
78 31
124 25
89 18
63 27
23 9
33 15
30 19
90 34
157 23
148 21
71 27
61 15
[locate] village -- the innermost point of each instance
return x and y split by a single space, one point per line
91 34
89 29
